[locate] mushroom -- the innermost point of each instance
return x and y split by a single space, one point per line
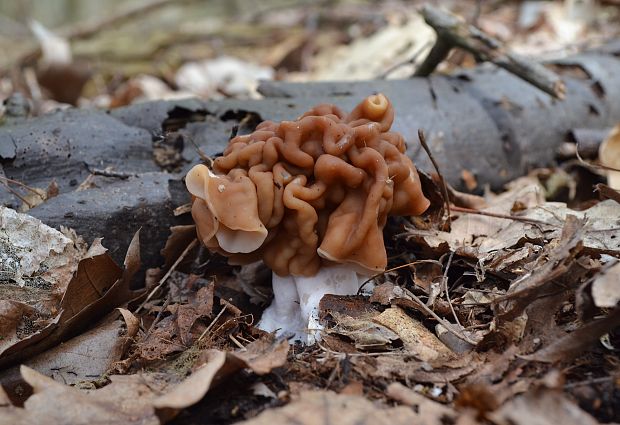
310 198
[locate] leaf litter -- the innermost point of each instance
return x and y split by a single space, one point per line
473 333
511 317
472 325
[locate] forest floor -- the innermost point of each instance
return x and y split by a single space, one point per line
497 307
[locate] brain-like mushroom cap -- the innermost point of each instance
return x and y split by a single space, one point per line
302 193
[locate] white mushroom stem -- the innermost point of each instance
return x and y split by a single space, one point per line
294 310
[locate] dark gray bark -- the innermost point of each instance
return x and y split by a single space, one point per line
484 121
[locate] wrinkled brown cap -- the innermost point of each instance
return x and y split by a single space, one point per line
303 193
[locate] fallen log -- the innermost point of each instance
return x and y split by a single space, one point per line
484 123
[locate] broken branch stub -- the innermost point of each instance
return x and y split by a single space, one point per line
452 32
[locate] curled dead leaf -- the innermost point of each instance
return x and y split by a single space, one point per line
606 287
574 343
96 288
543 407
418 341
84 358
326 407
609 155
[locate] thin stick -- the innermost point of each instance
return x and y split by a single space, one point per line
402 266
25 186
111 173
439 52
600 380
445 284
205 158
444 322
607 192
504 216
168 273
341 354
213 322
452 32
237 343
409 61
16 193
593 166
444 187
158 317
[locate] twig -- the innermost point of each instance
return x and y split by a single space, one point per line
111 173
212 322
445 285
25 186
607 192
168 273
402 266
504 216
16 193
411 61
452 32
445 323
342 354
158 317
205 158
444 187
237 343
438 54
591 381
593 166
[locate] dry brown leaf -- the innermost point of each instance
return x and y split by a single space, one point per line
427 275
84 358
405 367
126 401
560 261
541 407
606 287
365 334
132 261
97 287
469 179
385 293
432 412
261 357
160 341
573 344
367 58
200 306
485 237
194 387
606 192
609 155
180 237
350 305
472 231
418 341
177 331
32 198
326 407
134 399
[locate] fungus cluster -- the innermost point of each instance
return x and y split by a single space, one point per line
310 198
